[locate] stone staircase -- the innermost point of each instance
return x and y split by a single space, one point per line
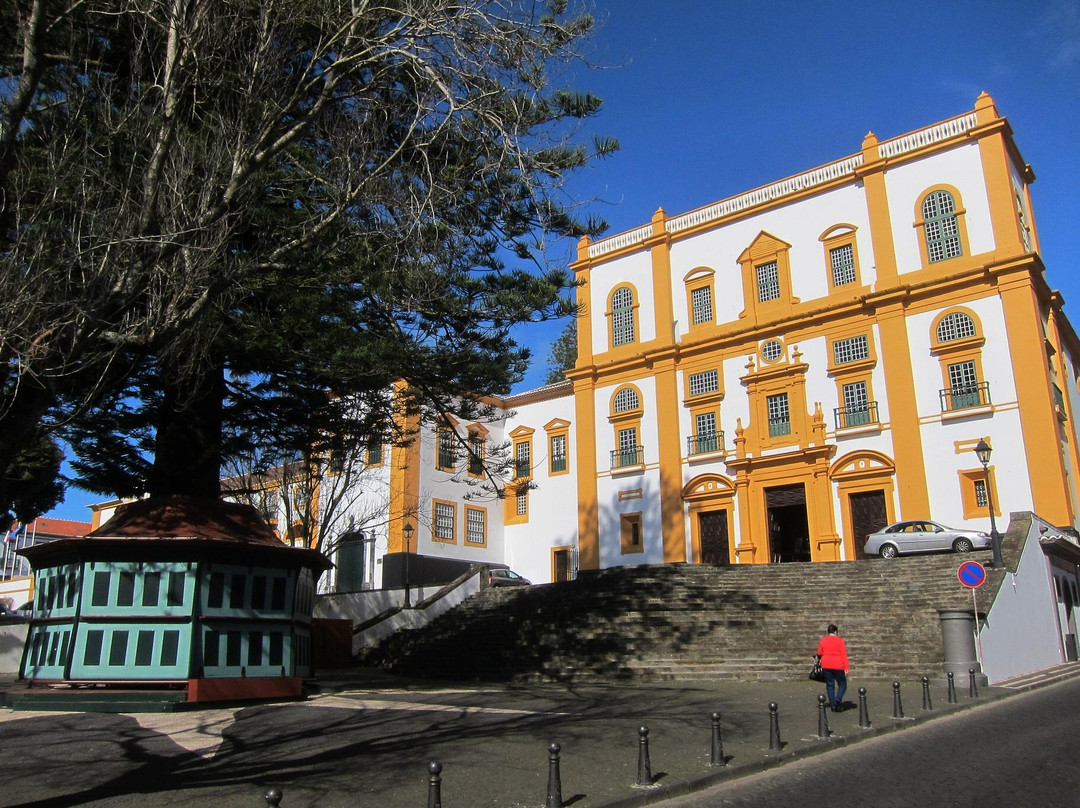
688 622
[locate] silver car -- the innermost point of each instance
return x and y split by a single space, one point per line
923 536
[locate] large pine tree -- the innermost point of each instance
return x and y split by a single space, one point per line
231 220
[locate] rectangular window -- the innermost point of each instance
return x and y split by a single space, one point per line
522 459
446 460
255 652
851 349
176 588
71 590
150 586
622 317
170 648
215 596
856 405
980 494
779 415
475 526
237 591
277 595
125 592
842 259
277 647
375 453
100 597
706 438
768 282
701 303
521 502
94 640
707 381
211 649
232 649
444 521
60 581
964 386
558 453
118 649
144 649
476 455
258 592
630 533
628 452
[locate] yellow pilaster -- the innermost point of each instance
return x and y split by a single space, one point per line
660 252
583 296
877 208
673 523
1042 447
405 487
585 458
903 413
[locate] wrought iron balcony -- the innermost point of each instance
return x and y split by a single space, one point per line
620 458
856 416
703 444
962 397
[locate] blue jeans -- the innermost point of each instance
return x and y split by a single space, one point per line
835 680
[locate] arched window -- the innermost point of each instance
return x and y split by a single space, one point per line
955 325
622 316
940 227
626 400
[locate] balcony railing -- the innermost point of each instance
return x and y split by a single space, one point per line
964 396
856 416
703 444
620 458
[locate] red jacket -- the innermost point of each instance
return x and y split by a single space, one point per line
833 653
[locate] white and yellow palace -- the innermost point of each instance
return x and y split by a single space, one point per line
773 376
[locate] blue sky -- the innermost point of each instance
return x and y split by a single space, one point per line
710 98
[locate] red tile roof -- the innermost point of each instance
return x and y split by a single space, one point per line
47 526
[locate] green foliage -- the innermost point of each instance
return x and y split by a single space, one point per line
563 354
233 223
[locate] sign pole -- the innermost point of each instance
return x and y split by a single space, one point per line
972 574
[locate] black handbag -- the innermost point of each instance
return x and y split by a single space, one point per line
816 673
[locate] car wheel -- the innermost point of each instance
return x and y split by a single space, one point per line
962 546
888 551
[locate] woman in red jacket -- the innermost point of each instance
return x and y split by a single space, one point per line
834 663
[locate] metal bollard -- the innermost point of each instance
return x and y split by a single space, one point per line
644 766
554 789
926 703
864 714
952 688
273 798
897 706
434 788
822 719
973 689
717 757
774 727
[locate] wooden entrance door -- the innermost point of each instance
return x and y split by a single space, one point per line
562 564
712 530
868 515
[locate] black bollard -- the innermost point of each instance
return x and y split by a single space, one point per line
926 703
822 719
554 791
973 689
644 766
273 798
864 714
774 727
434 787
717 757
897 706
952 688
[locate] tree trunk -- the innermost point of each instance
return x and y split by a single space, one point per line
187 459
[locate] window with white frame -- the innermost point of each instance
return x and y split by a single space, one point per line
522 502
701 303
955 325
444 521
980 494
851 349
447 456
475 526
628 447
627 400
842 259
523 459
940 226
708 381
768 281
779 415
558 452
622 316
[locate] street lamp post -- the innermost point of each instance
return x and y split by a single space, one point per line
408 531
982 451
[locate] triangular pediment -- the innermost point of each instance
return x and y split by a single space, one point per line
764 246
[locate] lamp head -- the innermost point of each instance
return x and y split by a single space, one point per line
408 529
982 451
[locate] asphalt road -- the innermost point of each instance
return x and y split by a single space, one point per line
1018 752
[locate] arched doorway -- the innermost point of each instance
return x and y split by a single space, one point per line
865 482
711 508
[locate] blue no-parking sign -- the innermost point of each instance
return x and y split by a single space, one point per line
971 573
